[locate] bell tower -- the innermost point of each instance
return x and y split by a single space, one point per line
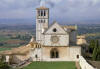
42 21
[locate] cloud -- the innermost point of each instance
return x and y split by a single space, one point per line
62 10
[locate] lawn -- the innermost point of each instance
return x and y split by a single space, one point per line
51 65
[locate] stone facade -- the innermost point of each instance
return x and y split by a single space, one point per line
65 53
63 37
36 54
58 43
53 43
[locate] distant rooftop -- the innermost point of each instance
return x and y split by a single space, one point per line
70 27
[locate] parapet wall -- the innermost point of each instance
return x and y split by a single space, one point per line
84 64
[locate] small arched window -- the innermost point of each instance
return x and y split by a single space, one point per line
36 56
39 21
44 20
77 56
39 12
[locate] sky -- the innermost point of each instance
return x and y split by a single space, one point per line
60 10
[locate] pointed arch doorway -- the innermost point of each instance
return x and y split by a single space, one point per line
54 53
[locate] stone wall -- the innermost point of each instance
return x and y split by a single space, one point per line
19 58
84 64
36 54
75 52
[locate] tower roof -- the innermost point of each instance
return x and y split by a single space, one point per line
42 8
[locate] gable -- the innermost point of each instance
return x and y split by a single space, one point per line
55 28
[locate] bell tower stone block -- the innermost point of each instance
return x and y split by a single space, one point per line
42 21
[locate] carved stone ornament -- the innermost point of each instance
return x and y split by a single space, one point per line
54 39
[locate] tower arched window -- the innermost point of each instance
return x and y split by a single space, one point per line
41 12
41 21
44 20
44 13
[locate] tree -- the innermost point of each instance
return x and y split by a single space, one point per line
95 51
4 65
98 53
91 46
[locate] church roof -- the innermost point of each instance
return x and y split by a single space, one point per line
64 27
42 8
52 25
16 51
22 50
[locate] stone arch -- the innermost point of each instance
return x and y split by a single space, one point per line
54 53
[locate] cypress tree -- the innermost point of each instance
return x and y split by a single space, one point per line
98 51
91 46
95 51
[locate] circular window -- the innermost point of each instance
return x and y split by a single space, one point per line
54 39
54 30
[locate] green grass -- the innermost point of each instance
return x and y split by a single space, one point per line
51 65
2 38
3 49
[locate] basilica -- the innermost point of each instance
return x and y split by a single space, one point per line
53 42
58 42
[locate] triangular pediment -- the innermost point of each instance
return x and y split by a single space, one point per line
55 28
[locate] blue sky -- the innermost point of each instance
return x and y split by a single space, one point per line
61 10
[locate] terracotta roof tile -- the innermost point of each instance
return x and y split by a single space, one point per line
42 8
